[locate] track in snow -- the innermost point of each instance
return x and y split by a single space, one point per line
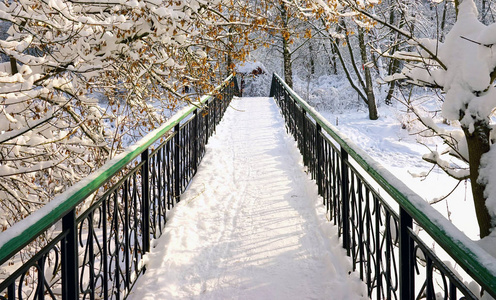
251 225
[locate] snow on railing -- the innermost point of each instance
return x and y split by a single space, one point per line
96 250
377 232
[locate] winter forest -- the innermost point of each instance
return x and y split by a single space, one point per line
82 80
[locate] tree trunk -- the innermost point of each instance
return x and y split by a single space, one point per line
348 75
335 48
443 21
288 71
394 64
457 5
354 63
394 67
286 53
312 70
230 63
333 59
312 62
369 88
478 144
13 66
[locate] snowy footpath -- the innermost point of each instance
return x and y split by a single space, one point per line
251 225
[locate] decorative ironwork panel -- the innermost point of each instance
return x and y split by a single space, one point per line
374 236
39 277
433 278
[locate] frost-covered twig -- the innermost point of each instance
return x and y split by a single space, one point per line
437 200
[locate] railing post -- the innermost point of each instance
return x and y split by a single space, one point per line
145 198
11 291
406 257
304 136
295 121
272 86
214 103
40 293
69 249
345 201
236 87
207 116
230 88
195 141
291 114
126 198
177 164
319 160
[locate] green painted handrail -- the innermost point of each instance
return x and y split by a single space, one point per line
26 230
470 256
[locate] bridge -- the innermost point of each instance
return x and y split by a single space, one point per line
186 213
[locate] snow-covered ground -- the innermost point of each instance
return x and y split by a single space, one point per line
251 225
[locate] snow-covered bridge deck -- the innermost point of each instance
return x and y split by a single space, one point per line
251 225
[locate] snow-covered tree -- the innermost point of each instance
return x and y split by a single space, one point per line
464 67
81 79
337 24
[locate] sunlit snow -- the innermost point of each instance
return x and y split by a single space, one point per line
251 225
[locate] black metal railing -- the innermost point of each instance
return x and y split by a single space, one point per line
377 230
94 250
